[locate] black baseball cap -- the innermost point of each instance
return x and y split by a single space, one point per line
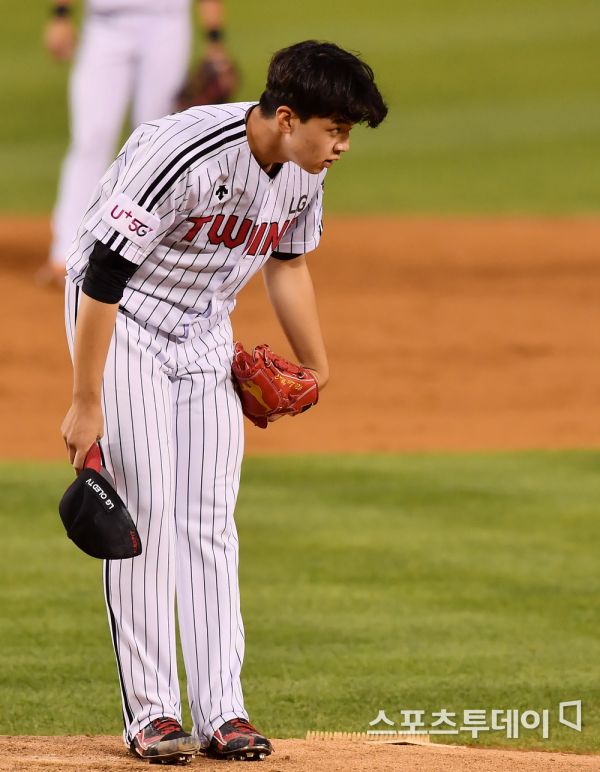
94 515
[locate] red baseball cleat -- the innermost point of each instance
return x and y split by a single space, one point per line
238 739
163 741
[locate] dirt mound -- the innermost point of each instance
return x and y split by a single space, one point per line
104 754
443 334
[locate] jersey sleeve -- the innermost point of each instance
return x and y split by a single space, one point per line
149 193
304 233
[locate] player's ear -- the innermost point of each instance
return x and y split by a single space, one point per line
286 118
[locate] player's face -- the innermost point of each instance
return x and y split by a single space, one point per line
317 143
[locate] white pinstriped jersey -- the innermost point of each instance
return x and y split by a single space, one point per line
189 204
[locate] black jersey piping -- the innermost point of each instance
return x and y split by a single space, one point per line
188 149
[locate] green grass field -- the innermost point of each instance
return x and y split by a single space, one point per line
381 582
494 105
368 583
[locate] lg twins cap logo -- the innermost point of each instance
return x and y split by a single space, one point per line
130 220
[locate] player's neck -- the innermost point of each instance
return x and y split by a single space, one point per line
264 140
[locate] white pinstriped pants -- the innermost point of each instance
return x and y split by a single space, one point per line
173 442
138 58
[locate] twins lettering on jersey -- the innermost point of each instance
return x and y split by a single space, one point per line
188 204
260 238
138 225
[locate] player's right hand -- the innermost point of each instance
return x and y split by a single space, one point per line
60 38
81 427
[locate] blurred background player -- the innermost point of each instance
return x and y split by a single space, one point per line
133 54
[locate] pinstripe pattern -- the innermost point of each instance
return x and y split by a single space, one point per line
173 423
173 443
181 169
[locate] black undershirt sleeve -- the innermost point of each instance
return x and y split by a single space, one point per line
284 255
107 274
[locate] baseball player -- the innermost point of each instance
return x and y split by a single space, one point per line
194 205
132 52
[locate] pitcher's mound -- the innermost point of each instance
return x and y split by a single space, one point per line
101 754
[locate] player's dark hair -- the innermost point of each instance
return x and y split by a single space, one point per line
321 80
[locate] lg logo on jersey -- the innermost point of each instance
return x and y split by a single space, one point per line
299 206
135 226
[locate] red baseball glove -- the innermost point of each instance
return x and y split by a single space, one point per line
270 386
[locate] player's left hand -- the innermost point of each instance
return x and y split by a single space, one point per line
270 386
60 38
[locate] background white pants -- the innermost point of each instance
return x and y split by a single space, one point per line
173 442
136 59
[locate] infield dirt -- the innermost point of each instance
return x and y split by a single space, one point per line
107 754
443 334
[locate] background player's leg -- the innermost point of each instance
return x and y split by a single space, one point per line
140 593
163 47
209 441
100 88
